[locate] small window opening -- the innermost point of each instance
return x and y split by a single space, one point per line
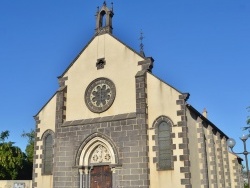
100 63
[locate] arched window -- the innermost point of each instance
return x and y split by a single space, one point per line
163 142
48 152
48 155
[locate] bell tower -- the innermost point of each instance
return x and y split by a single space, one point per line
104 19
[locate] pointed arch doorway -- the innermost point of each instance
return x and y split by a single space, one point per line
100 173
97 162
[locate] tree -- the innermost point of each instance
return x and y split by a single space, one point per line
30 147
248 117
11 158
248 121
14 164
26 172
4 135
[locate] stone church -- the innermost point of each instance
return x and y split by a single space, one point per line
113 124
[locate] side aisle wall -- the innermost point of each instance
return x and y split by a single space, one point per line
209 156
235 171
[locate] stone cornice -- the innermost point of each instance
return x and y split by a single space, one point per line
100 119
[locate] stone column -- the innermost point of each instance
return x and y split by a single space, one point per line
142 123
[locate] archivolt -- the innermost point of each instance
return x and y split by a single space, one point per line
90 144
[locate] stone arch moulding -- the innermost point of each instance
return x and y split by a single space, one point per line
163 137
161 118
47 132
90 145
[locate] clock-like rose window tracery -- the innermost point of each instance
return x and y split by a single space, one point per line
100 95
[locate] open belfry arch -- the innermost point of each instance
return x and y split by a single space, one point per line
112 123
104 19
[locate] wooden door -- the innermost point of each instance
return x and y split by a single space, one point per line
101 177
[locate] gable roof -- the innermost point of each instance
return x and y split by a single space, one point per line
191 108
165 82
45 104
71 64
74 60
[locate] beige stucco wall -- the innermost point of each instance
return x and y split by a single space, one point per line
47 122
121 67
162 101
195 154
45 181
11 183
47 117
219 161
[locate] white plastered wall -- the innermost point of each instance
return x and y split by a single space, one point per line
47 122
121 68
162 101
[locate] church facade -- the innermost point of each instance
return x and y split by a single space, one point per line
112 123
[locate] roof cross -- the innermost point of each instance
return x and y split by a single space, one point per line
141 44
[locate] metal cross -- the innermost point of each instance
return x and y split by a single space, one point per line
141 44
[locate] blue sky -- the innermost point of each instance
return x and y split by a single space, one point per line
199 46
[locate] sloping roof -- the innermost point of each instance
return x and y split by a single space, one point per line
88 45
191 108
79 56
165 82
45 104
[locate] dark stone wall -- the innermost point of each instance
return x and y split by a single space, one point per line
36 156
126 135
127 132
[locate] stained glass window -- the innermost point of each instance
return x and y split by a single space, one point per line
48 154
164 144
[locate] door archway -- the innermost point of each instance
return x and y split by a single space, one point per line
97 159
